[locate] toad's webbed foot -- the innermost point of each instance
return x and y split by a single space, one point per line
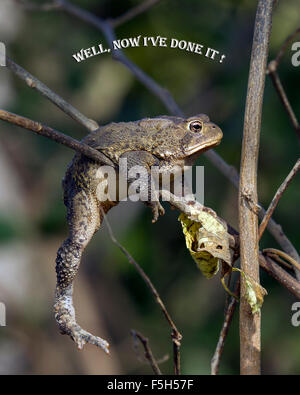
81 337
65 318
157 210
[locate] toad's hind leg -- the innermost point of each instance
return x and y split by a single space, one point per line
84 220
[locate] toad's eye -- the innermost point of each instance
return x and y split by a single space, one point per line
196 126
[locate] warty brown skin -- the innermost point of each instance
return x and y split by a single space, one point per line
163 141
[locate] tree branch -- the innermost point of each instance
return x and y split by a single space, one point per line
277 197
148 353
272 71
279 260
248 220
271 251
133 12
36 84
276 229
277 232
280 275
175 335
283 97
285 45
54 135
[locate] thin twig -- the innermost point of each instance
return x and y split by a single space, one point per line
285 45
54 135
272 71
133 12
148 353
215 362
36 84
176 335
250 343
283 97
280 275
277 197
292 261
277 232
279 260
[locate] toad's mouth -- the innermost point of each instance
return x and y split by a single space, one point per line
201 147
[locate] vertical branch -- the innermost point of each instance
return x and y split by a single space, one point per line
248 220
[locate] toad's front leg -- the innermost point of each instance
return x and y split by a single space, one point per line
140 163
84 220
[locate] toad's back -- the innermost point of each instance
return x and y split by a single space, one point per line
151 135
